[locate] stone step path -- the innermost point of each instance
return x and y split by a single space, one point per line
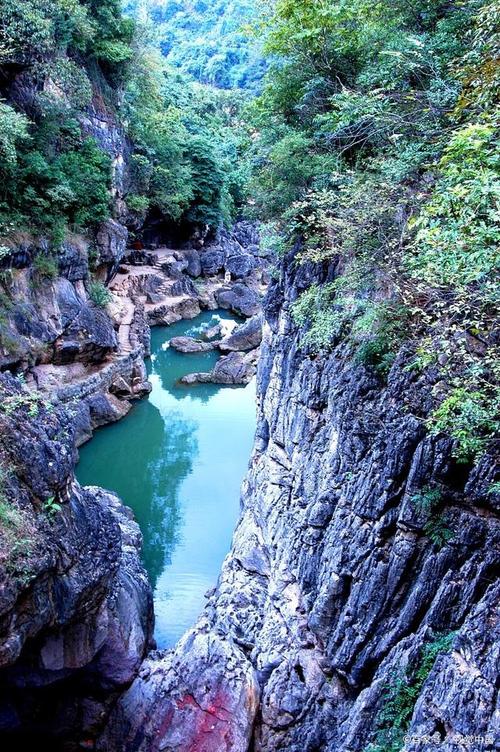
124 343
165 307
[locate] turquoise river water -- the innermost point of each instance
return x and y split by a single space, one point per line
178 459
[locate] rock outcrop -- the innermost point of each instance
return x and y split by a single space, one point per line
190 345
75 602
111 241
233 369
238 298
248 336
335 594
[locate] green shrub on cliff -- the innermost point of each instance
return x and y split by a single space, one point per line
10 517
13 134
401 694
44 267
376 152
50 192
53 176
17 536
99 293
472 418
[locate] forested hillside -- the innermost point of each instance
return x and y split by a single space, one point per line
64 62
56 59
377 153
208 40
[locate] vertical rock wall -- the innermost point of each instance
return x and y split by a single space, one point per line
75 602
333 594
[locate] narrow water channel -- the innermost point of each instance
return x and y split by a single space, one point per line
178 459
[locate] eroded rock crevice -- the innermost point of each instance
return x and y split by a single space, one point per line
76 611
333 591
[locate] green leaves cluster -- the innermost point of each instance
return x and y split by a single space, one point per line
49 191
34 30
13 134
471 418
186 167
99 293
402 693
188 140
458 230
429 501
53 176
376 151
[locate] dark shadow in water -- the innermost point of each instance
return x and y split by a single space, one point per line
145 473
177 460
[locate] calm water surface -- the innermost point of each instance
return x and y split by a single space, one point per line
178 459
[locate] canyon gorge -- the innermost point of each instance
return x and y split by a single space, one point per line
278 276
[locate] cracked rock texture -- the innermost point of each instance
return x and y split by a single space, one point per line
332 589
75 602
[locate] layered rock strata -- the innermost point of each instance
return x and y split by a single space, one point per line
335 597
75 603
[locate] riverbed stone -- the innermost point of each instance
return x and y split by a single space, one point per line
247 336
89 337
239 298
193 267
190 345
199 707
232 369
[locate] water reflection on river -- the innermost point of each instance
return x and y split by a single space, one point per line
178 460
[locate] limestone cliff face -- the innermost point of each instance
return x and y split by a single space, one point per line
333 592
75 602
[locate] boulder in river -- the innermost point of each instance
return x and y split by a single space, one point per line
212 332
245 337
239 298
190 345
232 369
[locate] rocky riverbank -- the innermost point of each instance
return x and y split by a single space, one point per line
75 606
339 603
91 351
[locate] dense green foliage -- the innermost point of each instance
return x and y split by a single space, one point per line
376 150
74 54
53 176
187 139
206 39
401 695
